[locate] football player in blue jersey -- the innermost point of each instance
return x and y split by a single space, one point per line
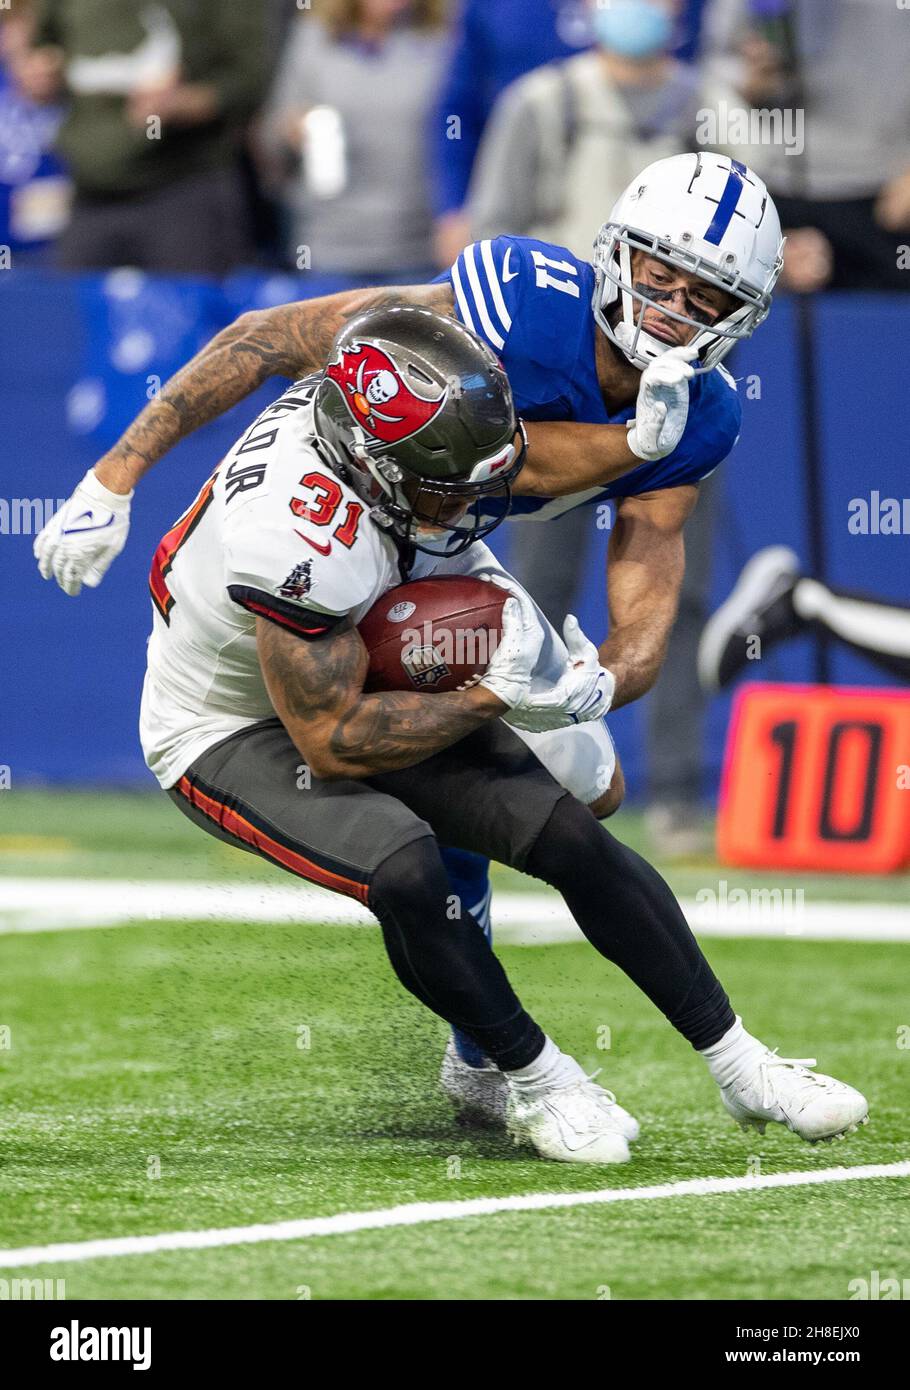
615 368
668 296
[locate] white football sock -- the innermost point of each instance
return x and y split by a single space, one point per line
549 1068
733 1054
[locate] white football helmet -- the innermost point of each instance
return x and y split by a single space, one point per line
703 213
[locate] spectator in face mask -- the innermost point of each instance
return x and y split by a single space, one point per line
566 139
496 42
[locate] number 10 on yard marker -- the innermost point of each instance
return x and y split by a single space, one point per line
817 777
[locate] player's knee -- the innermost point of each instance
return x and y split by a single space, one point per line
438 953
404 877
612 798
567 842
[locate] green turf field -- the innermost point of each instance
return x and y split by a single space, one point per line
155 1080
119 835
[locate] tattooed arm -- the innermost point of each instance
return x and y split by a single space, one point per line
287 341
81 540
317 690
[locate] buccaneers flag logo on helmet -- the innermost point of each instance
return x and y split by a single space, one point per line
377 396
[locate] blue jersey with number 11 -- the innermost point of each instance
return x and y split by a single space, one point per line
531 302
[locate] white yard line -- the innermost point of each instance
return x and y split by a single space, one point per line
420 1213
536 918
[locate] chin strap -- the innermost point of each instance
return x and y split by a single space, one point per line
406 557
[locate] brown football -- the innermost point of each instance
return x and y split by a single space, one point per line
432 634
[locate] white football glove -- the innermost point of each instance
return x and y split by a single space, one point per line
662 407
85 536
584 690
508 675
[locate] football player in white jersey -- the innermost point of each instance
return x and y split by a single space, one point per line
283 484
377 471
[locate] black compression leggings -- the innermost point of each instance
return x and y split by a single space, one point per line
445 961
630 915
621 903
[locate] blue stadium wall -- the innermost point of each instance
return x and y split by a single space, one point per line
79 355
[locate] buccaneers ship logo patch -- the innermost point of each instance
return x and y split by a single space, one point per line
299 582
377 396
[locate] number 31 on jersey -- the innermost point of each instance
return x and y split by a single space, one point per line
320 508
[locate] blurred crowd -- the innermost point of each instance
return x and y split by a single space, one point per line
358 140
353 142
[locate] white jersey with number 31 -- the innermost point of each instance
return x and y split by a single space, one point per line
273 533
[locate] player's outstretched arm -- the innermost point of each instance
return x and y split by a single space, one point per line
82 539
645 572
287 341
317 690
565 458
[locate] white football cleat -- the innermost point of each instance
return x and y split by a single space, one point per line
625 1123
478 1094
783 1089
577 1123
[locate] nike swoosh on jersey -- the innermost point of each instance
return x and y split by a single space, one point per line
322 549
506 277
